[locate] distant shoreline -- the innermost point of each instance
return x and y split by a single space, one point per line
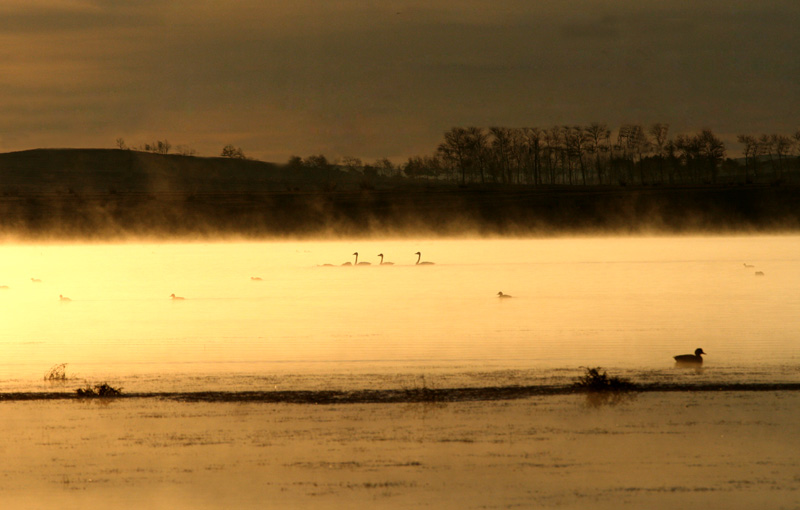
431 211
102 194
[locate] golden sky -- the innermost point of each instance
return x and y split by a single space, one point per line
375 79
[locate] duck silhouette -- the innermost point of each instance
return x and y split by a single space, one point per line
175 298
690 359
501 295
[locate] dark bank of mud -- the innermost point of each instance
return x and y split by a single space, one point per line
400 396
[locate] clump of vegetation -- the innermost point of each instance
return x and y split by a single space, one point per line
597 380
56 373
104 390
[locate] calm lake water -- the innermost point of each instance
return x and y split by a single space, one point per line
626 304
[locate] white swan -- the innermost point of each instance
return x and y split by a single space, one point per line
175 298
63 298
357 263
501 295
423 263
385 263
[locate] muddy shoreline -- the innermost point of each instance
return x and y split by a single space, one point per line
399 396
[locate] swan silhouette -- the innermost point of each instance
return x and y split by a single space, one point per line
384 263
63 298
255 278
501 295
690 359
423 263
175 298
357 263
36 280
748 265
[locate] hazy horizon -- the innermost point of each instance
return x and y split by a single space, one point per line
385 80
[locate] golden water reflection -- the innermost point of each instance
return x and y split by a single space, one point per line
267 307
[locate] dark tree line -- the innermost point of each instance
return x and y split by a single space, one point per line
587 155
584 155
772 154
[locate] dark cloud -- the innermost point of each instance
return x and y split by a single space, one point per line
389 78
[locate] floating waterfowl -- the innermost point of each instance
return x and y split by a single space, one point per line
759 273
385 263
501 295
175 298
690 359
63 298
423 263
357 263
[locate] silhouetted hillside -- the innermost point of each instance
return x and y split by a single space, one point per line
94 194
113 170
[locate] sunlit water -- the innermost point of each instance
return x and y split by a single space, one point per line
626 304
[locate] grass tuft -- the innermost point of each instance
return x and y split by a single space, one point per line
56 373
104 390
597 380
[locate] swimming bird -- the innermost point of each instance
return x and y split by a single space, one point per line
63 298
385 263
690 359
4 287
748 265
357 263
255 278
759 273
501 295
36 280
175 298
423 263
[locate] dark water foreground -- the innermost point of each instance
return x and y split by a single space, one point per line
389 396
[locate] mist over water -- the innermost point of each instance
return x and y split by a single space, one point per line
627 304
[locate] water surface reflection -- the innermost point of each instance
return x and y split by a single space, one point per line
267 313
